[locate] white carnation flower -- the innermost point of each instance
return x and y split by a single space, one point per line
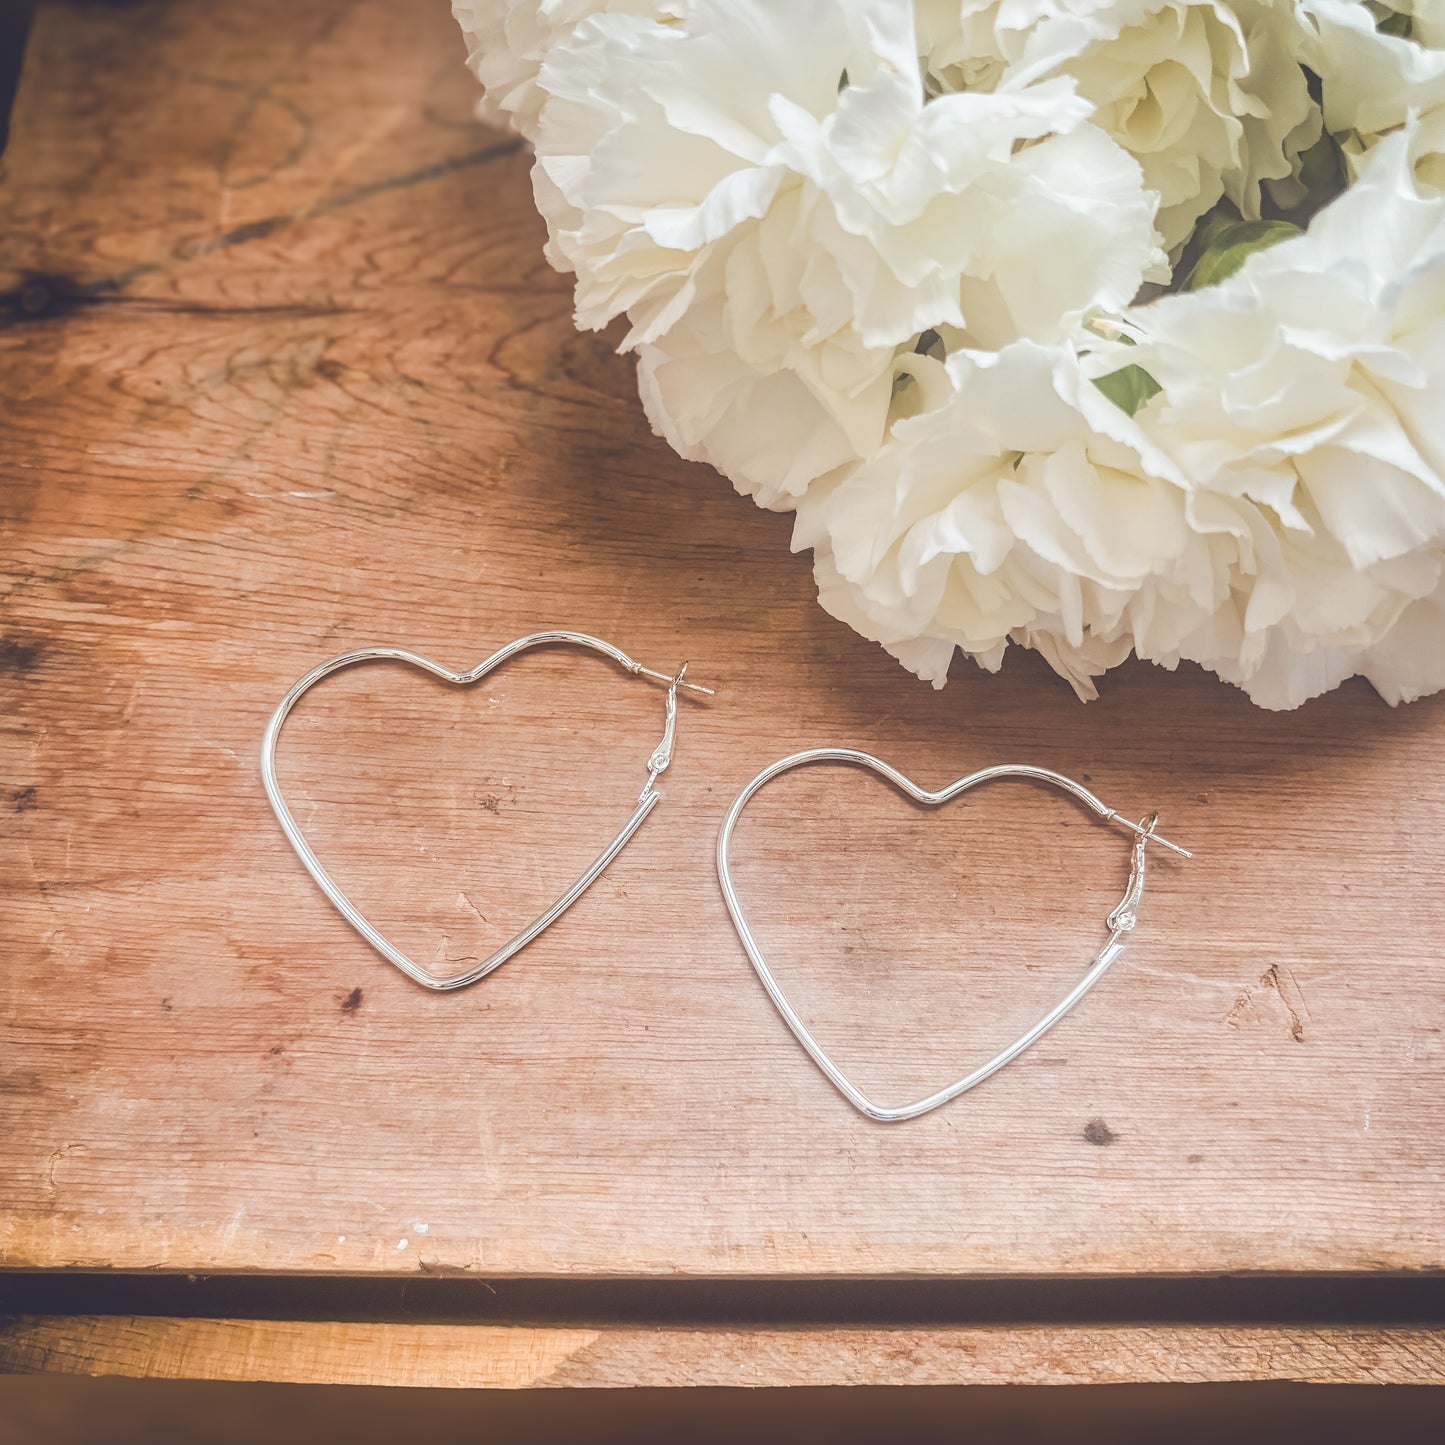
1309 386
1027 508
768 194
1208 97
1276 514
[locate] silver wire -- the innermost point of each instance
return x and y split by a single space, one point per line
1120 921
646 801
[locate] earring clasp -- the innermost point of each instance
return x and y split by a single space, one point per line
657 764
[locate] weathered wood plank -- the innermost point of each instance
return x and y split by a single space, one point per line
282 371
513 1357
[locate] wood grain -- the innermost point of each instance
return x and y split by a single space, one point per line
511 1357
283 371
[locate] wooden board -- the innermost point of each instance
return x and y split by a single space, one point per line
283 372
511 1357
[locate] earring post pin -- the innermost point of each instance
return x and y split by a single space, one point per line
670 680
1148 833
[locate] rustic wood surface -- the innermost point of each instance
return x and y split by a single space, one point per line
283 372
513 1357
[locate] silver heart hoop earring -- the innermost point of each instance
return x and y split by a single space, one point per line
647 799
1120 922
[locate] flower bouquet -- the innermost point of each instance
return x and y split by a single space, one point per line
1095 326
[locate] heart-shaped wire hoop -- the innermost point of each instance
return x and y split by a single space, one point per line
647 799
1120 921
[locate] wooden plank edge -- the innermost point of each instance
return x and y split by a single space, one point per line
527 1357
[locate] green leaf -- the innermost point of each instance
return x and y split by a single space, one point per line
1128 388
1231 246
1212 223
